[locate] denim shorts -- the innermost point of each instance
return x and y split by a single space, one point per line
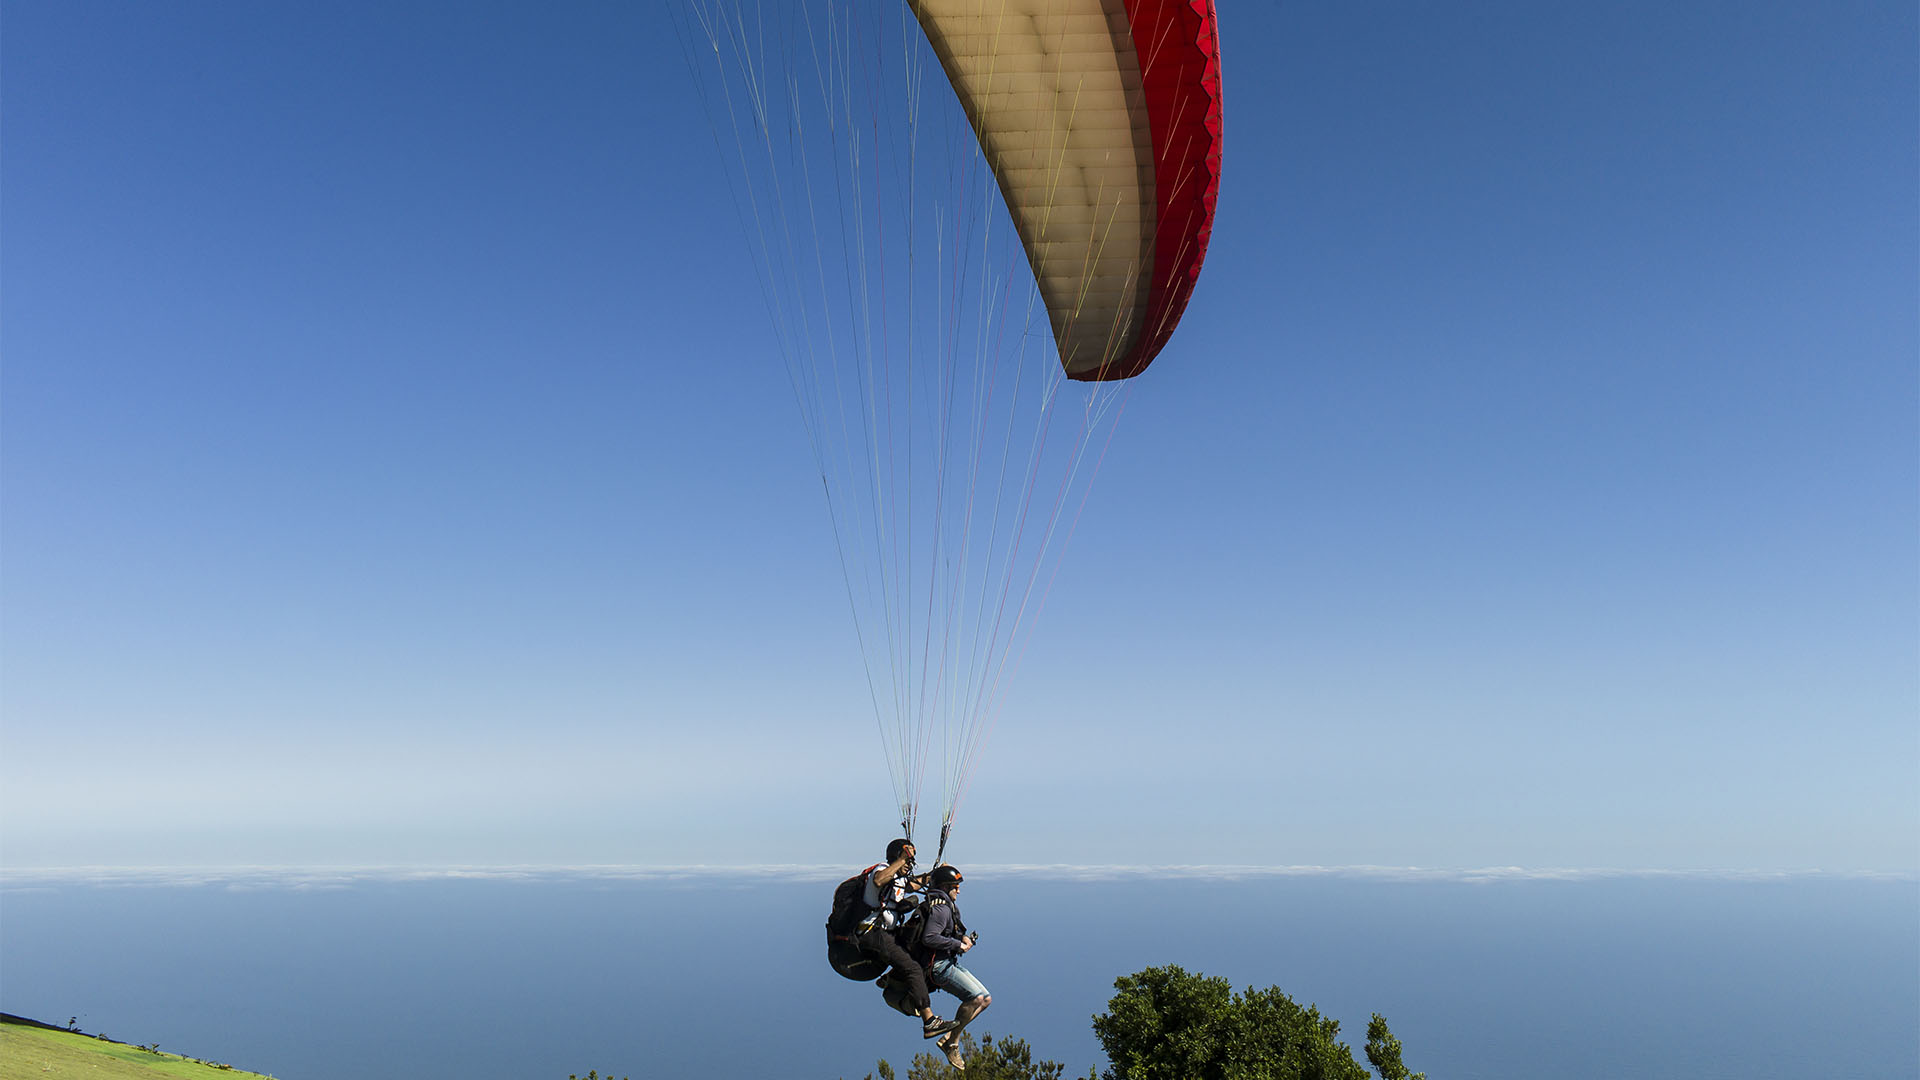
948 975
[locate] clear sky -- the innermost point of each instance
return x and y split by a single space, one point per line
394 468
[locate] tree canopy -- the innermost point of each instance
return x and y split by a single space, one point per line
1165 1023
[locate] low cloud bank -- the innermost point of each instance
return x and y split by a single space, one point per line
343 877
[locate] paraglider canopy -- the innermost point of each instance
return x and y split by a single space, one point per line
1101 121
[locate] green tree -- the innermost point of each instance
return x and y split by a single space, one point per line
1167 1024
1383 1050
1007 1059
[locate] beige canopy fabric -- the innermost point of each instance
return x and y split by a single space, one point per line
1054 92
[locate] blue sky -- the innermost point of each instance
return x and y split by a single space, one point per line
394 467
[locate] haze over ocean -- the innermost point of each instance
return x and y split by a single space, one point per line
516 976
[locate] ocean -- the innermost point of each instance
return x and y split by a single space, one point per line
535 975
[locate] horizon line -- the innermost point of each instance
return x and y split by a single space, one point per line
324 875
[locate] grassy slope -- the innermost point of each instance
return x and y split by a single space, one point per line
28 1052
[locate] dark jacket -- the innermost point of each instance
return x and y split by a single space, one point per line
942 933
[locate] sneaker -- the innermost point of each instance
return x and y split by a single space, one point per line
933 1027
949 1045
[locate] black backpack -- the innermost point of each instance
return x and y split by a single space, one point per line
849 907
849 904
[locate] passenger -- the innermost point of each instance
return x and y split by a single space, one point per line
943 938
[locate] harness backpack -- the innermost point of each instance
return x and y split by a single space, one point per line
849 904
849 907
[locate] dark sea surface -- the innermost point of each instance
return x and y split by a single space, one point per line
537 977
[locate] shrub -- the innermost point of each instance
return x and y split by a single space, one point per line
1167 1024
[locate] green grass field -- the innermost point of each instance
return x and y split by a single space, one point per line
29 1052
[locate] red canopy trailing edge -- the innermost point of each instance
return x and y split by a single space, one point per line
1179 41
1101 121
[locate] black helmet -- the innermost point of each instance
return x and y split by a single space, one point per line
894 849
945 876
